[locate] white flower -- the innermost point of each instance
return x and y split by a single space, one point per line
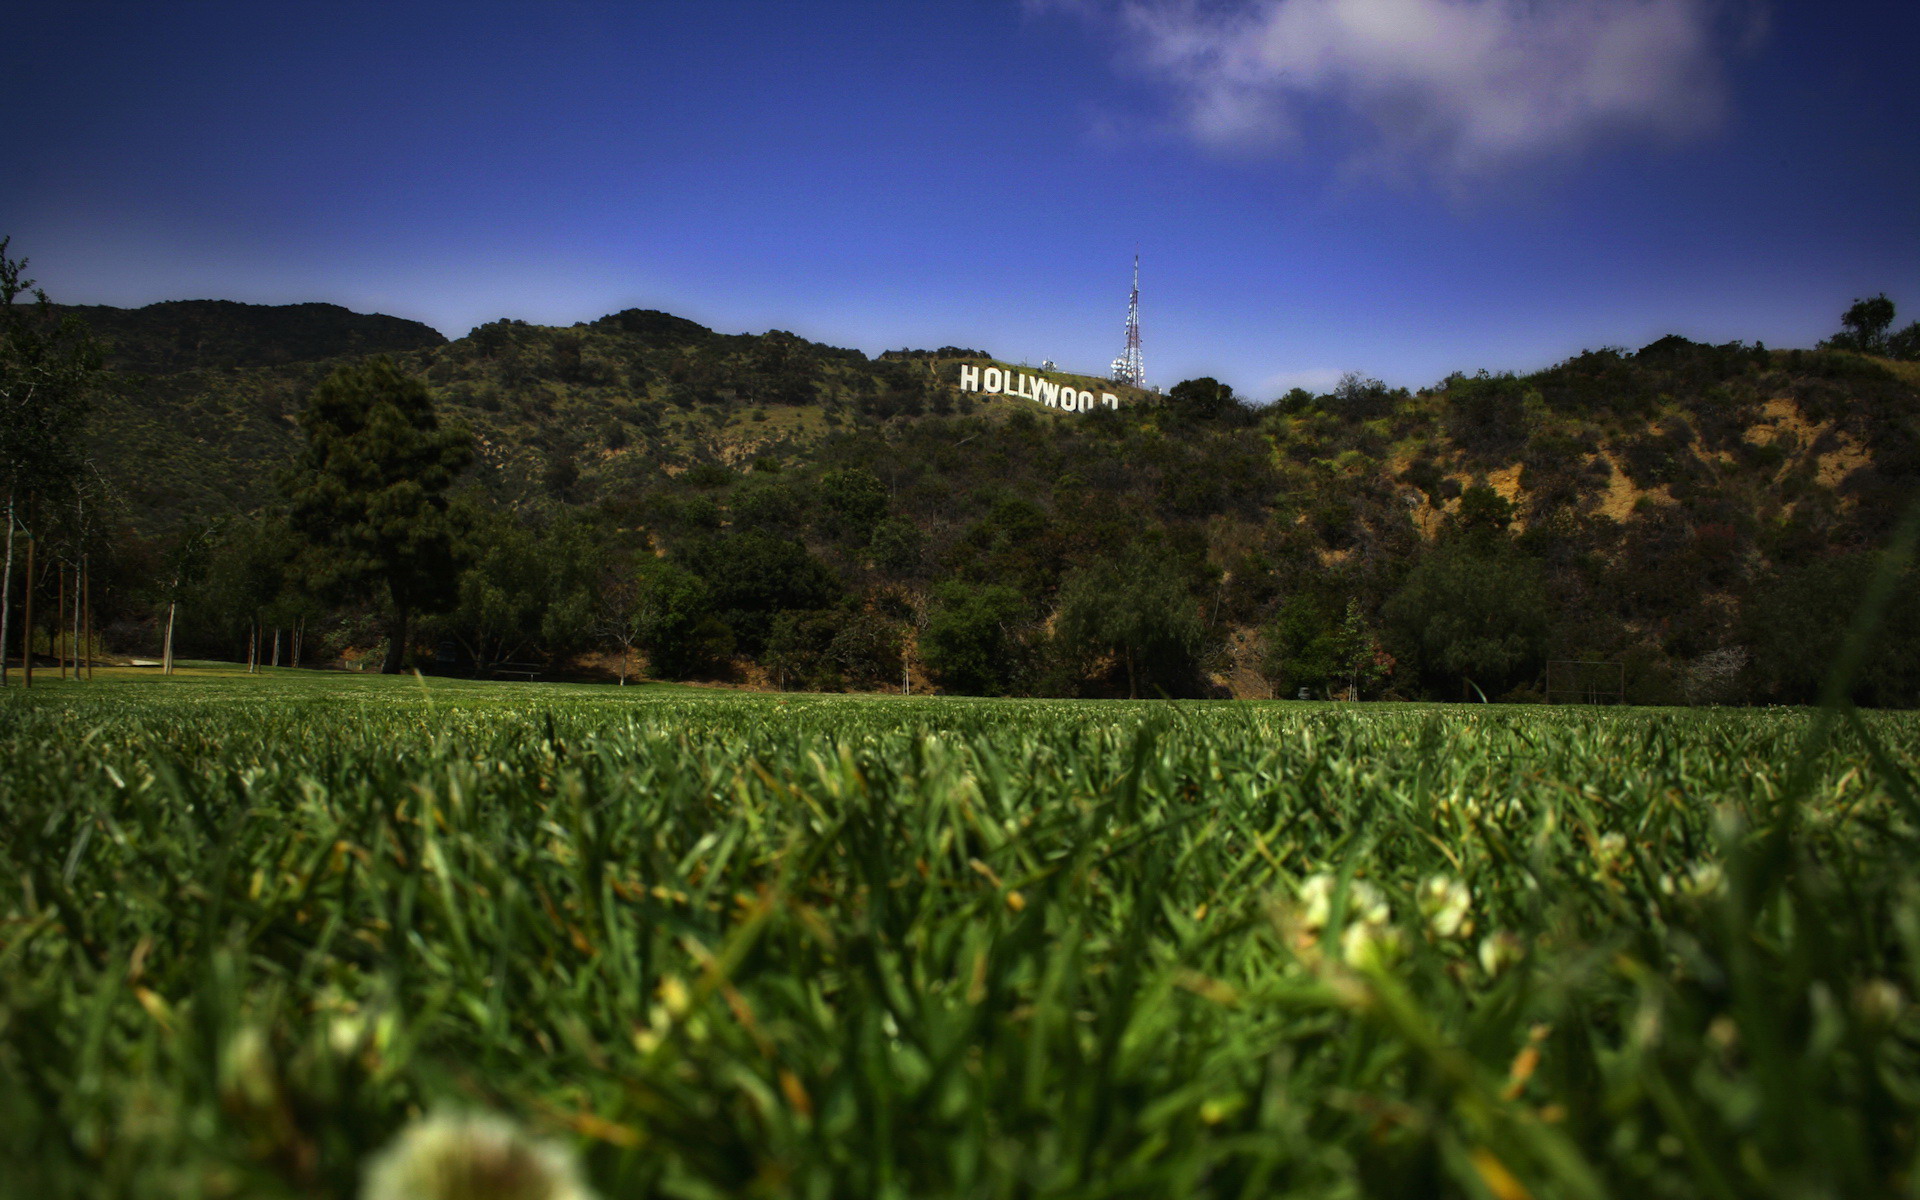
1371 945
1703 879
1365 902
1498 951
472 1156
1445 902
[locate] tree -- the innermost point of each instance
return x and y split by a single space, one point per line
370 493
1202 399
970 644
1797 623
503 593
896 546
1473 609
246 571
1139 612
45 367
1364 662
851 504
672 620
1863 327
751 576
1303 645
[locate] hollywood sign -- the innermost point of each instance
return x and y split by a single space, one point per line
995 382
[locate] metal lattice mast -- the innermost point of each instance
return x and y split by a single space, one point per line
1131 367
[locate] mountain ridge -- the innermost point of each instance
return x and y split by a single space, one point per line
1661 495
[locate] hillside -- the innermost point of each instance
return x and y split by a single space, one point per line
181 335
1652 508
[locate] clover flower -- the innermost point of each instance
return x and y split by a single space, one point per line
1372 945
1366 903
1498 951
472 1156
1445 903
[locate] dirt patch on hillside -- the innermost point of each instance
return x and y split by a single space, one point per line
1242 679
1780 417
1622 497
1834 466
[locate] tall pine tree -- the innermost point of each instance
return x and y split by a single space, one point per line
370 494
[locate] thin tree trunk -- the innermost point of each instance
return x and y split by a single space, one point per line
56 643
396 641
86 600
299 630
6 592
77 648
26 622
276 646
166 652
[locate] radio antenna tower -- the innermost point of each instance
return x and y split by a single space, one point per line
1130 368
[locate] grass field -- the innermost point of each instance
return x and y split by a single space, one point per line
732 945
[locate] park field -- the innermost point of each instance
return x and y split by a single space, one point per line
728 945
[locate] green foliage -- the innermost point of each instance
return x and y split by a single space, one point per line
844 947
833 649
851 502
1138 613
1863 327
673 622
1303 647
526 591
46 364
974 639
1794 629
1487 414
370 492
252 576
1202 399
1473 611
1483 512
896 546
750 577
1643 476
182 335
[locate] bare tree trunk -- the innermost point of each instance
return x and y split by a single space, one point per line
276 646
299 630
26 621
86 594
56 642
396 640
6 592
77 648
166 651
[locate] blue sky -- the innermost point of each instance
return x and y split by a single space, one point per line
1401 187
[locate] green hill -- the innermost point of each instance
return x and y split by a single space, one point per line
181 335
1651 508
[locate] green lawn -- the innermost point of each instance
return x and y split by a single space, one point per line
745 945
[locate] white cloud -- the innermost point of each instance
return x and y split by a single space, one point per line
1458 87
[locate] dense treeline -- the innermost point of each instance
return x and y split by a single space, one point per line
641 494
